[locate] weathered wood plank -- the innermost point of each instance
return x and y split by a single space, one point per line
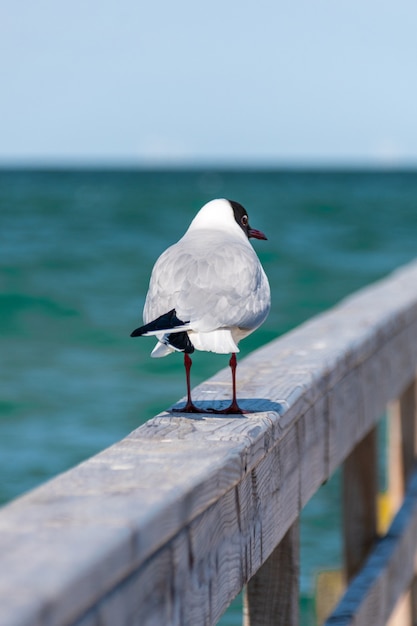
408 416
360 488
163 502
388 571
271 597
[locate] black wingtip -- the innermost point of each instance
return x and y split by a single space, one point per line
138 332
164 322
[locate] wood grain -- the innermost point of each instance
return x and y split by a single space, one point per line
167 525
360 488
271 597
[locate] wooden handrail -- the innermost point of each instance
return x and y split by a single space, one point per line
167 526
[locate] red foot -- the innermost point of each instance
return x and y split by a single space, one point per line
190 407
232 409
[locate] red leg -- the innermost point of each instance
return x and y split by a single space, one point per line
233 408
190 406
233 366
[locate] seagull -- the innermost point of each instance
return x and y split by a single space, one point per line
207 291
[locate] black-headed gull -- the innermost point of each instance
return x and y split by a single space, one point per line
208 291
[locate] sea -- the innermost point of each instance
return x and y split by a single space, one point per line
76 251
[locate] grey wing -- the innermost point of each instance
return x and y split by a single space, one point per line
211 283
161 293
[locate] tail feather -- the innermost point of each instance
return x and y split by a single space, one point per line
181 342
170 331
167 322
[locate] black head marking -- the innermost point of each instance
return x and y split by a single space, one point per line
241 216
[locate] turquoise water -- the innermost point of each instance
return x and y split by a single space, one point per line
76 251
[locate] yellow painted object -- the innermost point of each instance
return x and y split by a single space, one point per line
329 588
385 512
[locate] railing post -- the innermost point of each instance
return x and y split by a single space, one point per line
402 454
272 594
360 483
408 414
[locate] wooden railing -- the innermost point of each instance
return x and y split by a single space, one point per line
167 526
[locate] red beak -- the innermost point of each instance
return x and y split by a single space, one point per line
256 234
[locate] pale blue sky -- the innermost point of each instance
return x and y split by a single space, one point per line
308 81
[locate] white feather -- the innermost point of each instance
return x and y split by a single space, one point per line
220 341
162 349
213 279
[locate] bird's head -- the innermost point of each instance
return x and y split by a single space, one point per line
225 214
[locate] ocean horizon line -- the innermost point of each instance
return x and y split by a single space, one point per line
209 166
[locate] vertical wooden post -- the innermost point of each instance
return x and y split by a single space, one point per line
272 594
402 416
408 413
360 485
402 454
395 468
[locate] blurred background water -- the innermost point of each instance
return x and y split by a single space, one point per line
76 251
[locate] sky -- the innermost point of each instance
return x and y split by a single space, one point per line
262 82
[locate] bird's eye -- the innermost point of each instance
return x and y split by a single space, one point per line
245 220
